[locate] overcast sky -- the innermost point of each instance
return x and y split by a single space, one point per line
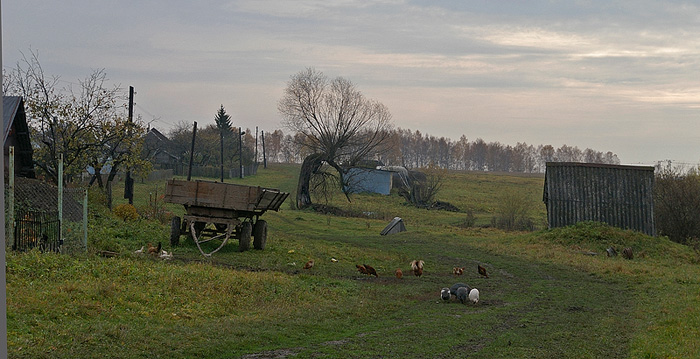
620 76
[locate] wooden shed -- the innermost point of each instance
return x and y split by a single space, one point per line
621 196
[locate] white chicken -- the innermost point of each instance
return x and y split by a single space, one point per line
474 296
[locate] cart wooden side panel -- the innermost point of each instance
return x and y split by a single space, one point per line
226 196
212 194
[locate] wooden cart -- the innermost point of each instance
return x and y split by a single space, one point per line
216 211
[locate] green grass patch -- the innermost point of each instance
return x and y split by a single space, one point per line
547 295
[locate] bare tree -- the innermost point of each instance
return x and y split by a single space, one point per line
338 124
84 122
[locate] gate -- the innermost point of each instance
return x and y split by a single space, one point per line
37 229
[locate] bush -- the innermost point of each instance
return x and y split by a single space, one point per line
512 212
677 204
126 212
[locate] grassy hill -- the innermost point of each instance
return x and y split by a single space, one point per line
547 296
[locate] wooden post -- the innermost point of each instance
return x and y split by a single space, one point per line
60 196
11 194
194 134
129 182
85 219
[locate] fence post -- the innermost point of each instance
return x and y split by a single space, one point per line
11 195
85 219
60 196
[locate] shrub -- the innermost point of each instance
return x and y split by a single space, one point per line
126 212
424 186
677 204
512 212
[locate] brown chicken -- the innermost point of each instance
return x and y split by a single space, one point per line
361 269
482 271
154 251
309 264
627 253
458 271
371 271
417 267
398 273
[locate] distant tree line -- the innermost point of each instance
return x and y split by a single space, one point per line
413 149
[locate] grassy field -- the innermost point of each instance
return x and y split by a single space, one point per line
546 296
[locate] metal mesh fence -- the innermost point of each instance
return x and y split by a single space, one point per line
35 196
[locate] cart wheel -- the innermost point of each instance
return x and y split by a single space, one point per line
175 231
260 234
244 236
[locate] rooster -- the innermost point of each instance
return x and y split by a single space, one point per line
482 271
371 271
458 271
417 267
398 273
309 264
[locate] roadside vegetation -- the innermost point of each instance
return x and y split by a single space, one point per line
549 294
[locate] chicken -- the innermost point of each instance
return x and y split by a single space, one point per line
165 255
417 267
474 296
309 264
371 271
461 291
154 251
445 294
458 271
482 271
361 269
611 252
139 251
398 273
627 253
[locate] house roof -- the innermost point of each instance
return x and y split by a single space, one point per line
158 135
10 107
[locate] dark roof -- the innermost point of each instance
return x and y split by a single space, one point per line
14 117
158 135
10 107
599 165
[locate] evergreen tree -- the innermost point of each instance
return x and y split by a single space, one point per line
223 121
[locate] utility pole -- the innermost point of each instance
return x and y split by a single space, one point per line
194 134
221 141
240 151
263 143
129 182
256 145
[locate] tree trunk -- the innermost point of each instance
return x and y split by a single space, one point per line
311 165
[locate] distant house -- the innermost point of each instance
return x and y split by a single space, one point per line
621 196
16 133
157 149
368 180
